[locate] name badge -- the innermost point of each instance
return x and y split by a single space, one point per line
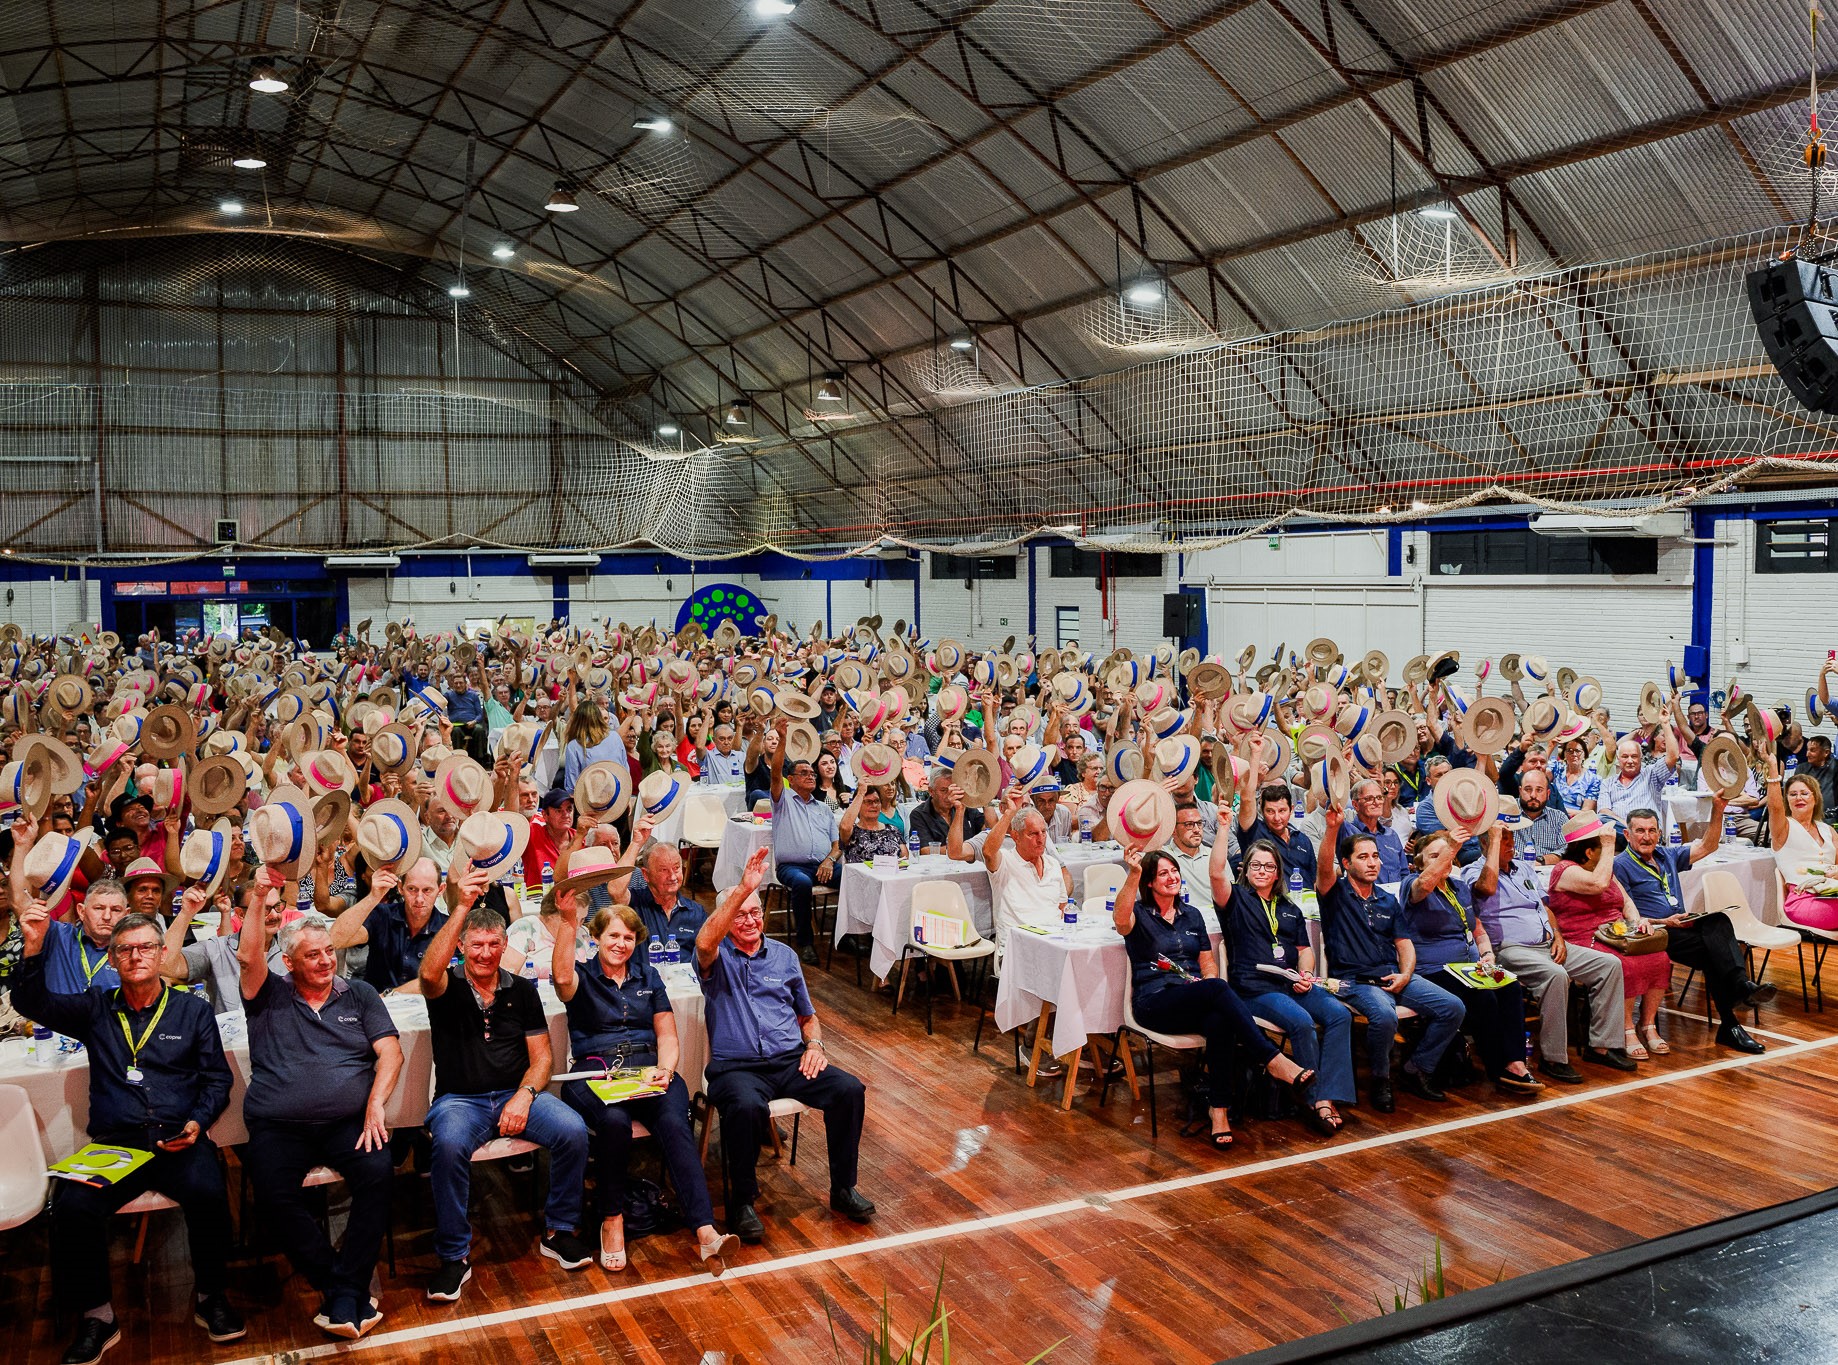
1277 953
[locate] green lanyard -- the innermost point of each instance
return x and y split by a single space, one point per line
1665 885
89 972
136 1044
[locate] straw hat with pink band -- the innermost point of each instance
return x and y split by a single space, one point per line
461 786
875 765
326 770
953 702
167 791
1141 814
1586 825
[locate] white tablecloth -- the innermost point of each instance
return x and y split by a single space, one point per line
1754 871
1082 974
733 799
880 902
738 841
60 1094
1076 857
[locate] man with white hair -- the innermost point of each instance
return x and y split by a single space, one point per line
722 763
1026 883
324 1057
1637 783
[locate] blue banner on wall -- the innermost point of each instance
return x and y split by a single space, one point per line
709 606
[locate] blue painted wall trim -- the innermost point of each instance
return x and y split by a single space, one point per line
558 596
1394 551
1703 587
1033 597
829 607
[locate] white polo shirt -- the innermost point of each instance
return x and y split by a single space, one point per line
1024 896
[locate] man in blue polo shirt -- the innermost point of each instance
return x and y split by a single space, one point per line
1650 872
764 1044
659 898
1268 817
76 955
806 837
1370 952
324 1057
157 1082
1369 819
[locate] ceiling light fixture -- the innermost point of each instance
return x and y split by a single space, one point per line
740 414
653 123
264 77
504 251
669 428
1145 292
774 9
458 290
232 207
964 342
830 390
561 198
1440 213
249 161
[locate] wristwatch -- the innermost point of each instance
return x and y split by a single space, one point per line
535 1094
818 1044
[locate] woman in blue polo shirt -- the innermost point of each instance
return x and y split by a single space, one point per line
619 1016
1264 928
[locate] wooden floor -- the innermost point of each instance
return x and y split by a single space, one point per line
1068 1227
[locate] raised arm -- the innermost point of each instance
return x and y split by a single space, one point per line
1123 910
998 832
172 952
1489 879
1219 865
1713 832
1327 870
1778 819
846 826
348 929
1586 883
1436 870
715 927
1247 793
252 950
775 758
561 960
469 883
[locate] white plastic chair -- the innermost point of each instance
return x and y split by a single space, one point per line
705 819
944 898
1102 882
23 1182
1185 1042
503 1148
795 1110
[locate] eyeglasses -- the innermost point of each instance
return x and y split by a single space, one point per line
136 949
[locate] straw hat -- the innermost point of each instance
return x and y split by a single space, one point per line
799 705
495 840
1249 711
726 636
1367 752
144 869
1334 776
875 764
1397 734
1510 668
1489 726
1321 651
1585 694
1465 801
1177 757
70 693
948 657
204 857
1376 667
461 786
1652 704
167 790
217 784
16 710
1511 816
326 771
389 835
1444 665
392 749
1416 669
979 775
953 702
593 865
332 815
1141 814
1725 768
1314 742
168 732
680 675
1123 762
603 790
283 831
1544 718
51 864
1352 720
661 793
26 786
1586 824
1209 680
1272 750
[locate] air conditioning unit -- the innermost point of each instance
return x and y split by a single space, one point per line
1655 525
229 530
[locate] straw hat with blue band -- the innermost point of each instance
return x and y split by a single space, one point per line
389 836
602 791
26 786
495 840
1177 757
284 832
204 857
51 864
1033 764
217 784
661 793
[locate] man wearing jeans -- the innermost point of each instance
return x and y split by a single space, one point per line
806 837
324 1056
764 1043
491 1064
1369 950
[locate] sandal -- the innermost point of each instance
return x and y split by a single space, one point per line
1222 1137
1658 1046
708 1251
612 1244
1634 1049
1325 1119
1298 1082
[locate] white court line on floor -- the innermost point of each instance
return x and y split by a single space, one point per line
1086 1203
1758 1032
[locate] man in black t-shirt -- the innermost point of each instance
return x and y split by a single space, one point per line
931 818
491 1064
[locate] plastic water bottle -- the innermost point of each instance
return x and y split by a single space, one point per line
1678 835
1793 764
1729 823
912 844
548 878
1085 825
41 1048
1296 886
1069 913
529 968
654 950
673 950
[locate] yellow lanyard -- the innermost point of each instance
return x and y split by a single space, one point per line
89 972
1460 913
1270 914
1665 885
136 1044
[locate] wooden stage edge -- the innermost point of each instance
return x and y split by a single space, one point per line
1069 1227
